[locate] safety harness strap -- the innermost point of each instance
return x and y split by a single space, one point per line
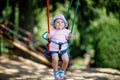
59 43
59 52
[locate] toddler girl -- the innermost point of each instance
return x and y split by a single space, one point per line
59 34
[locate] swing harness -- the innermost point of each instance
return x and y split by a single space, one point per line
59 43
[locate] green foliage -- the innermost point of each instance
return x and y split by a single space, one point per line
41 24
4 44
106 31
7 11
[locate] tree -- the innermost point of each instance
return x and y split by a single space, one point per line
105 32
2 6
26 20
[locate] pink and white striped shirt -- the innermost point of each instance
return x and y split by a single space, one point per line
58 36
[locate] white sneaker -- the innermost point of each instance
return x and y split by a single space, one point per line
56 75
62 72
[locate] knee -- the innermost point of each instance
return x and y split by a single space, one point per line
55 60
66 60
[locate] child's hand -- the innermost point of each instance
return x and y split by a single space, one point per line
48 36
69 36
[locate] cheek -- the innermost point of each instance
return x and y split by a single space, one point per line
63 25
55 25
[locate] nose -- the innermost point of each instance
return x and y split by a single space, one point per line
59 24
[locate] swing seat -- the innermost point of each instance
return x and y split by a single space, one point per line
48 55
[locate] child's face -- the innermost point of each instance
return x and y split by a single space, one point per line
59 24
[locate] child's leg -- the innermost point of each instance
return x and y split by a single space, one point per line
55 61
55 66
65 59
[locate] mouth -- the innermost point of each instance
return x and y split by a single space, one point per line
58 28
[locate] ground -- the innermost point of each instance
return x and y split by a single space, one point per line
18 68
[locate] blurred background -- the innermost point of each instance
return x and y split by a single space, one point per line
96 34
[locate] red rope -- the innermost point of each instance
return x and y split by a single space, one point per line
2 27
29 37
9 26
48 20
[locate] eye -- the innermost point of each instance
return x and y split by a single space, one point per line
57 21
62 21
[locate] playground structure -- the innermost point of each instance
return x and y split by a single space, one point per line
22 41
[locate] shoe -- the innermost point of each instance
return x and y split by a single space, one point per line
56 75
62 72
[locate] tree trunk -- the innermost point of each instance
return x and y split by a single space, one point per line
26 15
26 21
2 6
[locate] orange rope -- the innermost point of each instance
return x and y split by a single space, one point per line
48 20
